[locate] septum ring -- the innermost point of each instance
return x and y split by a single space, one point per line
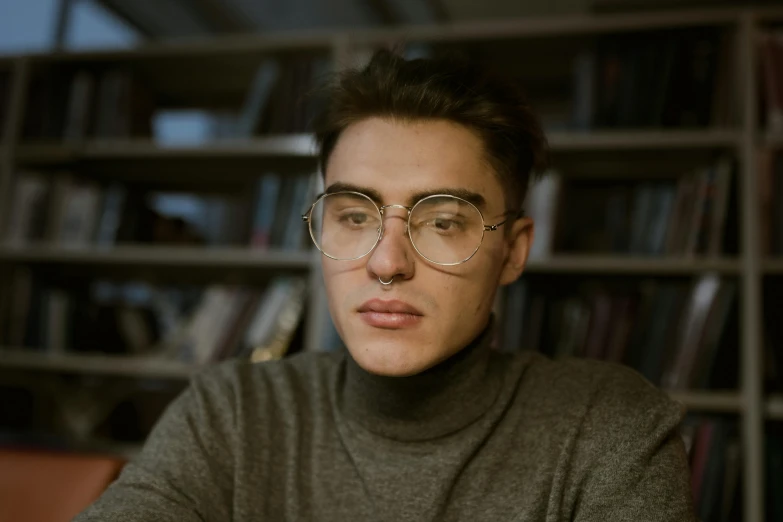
384 283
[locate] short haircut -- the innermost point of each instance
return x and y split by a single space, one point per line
448 88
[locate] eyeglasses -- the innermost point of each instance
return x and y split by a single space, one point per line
444 229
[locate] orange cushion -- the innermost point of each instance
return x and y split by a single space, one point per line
43 486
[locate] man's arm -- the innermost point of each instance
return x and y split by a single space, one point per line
630 462
184 473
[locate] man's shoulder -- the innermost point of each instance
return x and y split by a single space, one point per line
581 384
297 375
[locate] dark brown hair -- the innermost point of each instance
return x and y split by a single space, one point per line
448 88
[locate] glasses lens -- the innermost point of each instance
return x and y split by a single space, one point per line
345 225
445 229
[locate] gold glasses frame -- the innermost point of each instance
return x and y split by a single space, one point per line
307 218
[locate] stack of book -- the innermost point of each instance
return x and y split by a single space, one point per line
715 457
72 211
5 101
195 325
689 215
71 105
88 101
771 57
678 335
773 335
658 79
773 463
770 180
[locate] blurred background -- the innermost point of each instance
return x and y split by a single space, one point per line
155 159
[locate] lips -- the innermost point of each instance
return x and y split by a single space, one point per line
390 315
389 307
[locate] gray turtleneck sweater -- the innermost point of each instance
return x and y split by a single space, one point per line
482 436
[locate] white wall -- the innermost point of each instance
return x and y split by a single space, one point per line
26 25
29 25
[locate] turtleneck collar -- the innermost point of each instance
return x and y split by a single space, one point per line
428 405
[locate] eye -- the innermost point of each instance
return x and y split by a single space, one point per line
444 224
355 218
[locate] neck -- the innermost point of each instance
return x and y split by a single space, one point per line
431 404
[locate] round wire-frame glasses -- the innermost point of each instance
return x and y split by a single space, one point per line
307 218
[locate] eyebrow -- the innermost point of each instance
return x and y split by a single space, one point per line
468 195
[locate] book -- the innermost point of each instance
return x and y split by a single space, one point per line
277 341
771 57
692 326
258 98
27 219
268 188
5 100
77 122
666 78
541 204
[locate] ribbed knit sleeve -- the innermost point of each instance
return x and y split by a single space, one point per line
184 472
628 459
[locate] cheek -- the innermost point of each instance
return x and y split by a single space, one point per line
475 292
340 279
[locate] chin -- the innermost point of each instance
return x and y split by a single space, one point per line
391 358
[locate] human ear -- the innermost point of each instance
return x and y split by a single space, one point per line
518 242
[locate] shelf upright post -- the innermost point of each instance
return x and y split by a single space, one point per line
750 300
13 127
318 313
11 135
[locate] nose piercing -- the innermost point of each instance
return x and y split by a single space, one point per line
385 283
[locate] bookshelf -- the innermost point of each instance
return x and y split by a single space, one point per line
274 147
216 76
641 140
146 367
774 408
587 264
183 257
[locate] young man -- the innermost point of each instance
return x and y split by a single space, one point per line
425 164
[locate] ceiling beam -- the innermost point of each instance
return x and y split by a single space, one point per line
218 16
439 12
121 12
64 11
385 12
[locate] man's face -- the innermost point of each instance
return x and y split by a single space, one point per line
452 303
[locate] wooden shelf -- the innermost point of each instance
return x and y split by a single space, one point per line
234 163
769 14
709 401
241 257
586 264
224 48
210 73
549 26
100 446
163 265
125 366
126 450
772 266
213 164
726 402
772 140
774 407
303 146
643 139
278 146
293 145
155 256
152 367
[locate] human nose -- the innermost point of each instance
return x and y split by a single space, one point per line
392 256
